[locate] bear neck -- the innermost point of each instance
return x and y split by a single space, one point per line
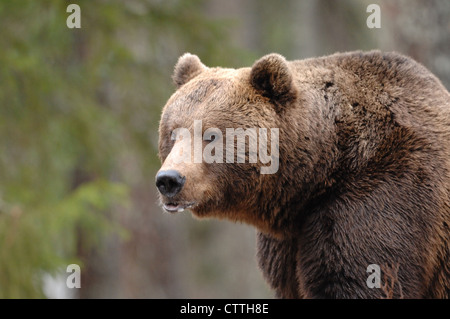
308 169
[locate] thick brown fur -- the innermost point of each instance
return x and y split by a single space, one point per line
364 171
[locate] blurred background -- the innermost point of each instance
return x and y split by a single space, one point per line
79 113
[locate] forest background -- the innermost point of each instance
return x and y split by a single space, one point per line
79 114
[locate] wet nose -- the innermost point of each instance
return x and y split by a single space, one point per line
169 182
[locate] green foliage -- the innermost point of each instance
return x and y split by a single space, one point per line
43 238
79 110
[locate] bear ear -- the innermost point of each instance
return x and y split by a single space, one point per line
187 67
272 76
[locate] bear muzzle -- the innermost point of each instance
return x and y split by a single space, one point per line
170 183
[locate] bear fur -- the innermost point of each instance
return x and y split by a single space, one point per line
363 178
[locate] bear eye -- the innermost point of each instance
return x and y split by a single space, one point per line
209 137
212 134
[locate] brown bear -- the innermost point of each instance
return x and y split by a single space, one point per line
362 147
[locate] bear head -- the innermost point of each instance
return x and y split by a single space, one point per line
220 140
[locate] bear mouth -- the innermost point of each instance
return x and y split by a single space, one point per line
174 207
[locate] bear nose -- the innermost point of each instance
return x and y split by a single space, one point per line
169 182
